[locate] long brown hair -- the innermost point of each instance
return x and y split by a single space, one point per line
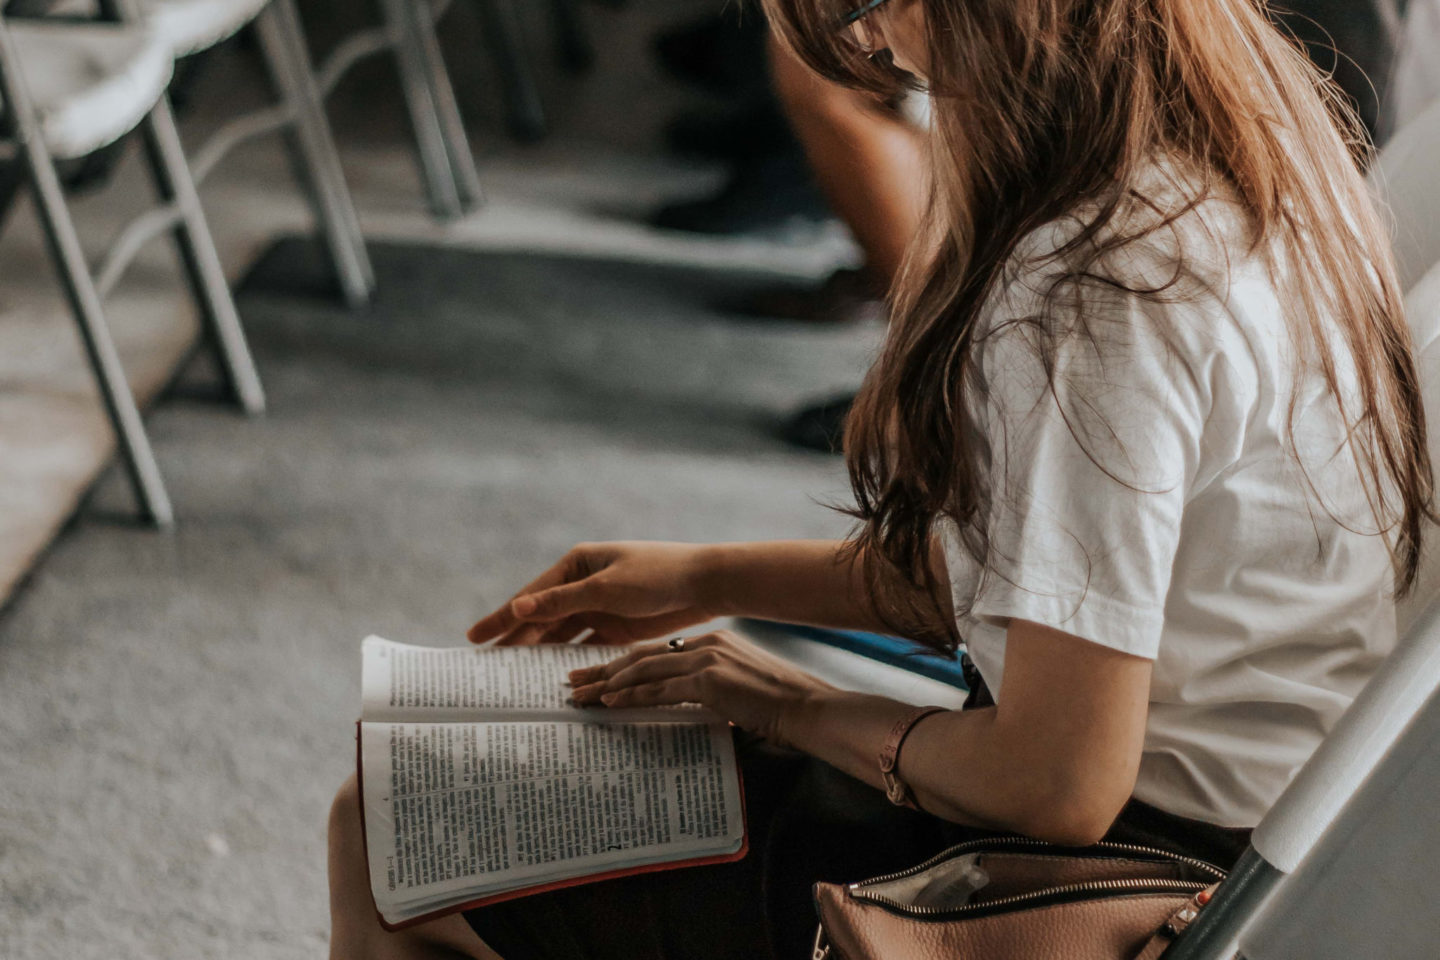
1040 105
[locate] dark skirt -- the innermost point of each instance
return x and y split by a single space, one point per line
807 822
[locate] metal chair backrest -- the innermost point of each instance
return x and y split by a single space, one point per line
1361 751
1367 888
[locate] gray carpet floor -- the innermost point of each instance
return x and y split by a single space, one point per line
177 709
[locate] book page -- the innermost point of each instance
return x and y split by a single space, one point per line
400 681
455 811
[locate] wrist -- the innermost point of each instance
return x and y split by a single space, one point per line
711 580
802 715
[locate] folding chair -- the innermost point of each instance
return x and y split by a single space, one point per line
408 29
1380 742
442 147
1368 886
69 89
193 26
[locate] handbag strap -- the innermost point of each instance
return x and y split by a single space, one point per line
1176 925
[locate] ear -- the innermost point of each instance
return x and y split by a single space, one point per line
904 29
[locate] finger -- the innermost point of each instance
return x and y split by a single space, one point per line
650 651
610 628
495 625
647 653
661 693
502 621
564 631
587 694
605 671
651 669
525 635
557 602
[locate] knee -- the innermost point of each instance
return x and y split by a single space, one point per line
345 832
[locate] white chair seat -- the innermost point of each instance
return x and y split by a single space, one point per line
91 83
190 26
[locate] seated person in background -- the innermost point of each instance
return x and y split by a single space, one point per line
866 156
1145 434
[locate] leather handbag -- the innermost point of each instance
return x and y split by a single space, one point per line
1017 899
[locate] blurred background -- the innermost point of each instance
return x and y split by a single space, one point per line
431 293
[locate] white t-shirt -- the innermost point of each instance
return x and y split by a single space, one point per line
1197 544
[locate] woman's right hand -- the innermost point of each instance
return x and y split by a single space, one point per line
623 592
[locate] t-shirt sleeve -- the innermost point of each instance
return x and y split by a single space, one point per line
1088 468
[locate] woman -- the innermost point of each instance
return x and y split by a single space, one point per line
1145 435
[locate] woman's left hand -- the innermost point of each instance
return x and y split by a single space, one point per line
731 676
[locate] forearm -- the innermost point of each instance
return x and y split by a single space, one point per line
954 763
796 581
1056 760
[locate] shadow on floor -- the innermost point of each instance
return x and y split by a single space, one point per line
644 349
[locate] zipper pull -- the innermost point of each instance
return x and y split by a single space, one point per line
1176 925
1186 915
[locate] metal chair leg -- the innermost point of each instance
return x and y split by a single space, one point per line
435 166
447 110
21 126
522 97
283 46
137 455
199 257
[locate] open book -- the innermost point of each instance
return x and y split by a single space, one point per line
480 781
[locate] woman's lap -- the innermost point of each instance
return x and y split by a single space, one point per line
807 822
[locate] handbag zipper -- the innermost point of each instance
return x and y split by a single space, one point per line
822 950
1104 846
1091 886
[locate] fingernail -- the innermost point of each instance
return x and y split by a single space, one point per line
523 606
608 698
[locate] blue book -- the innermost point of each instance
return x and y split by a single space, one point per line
895 651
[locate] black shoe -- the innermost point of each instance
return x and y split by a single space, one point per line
821 427
846 296
766 194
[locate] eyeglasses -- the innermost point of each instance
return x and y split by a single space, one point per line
855 27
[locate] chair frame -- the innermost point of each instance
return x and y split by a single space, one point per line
407 29
447 165
1309 808
85 287
300 114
